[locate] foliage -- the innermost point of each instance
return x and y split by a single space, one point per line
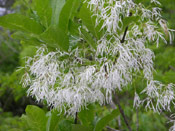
8 122
53 25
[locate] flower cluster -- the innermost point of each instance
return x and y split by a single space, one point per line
134 56
163 95
72 80
172 120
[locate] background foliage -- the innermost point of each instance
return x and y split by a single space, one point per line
15 115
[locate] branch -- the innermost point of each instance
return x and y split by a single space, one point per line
116 100
123 39
126 29
76 118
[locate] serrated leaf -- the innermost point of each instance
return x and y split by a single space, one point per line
105 120
21 23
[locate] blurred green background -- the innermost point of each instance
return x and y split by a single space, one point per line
13 98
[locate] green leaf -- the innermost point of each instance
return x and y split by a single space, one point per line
67 13
73 28
25 120
20 22
43 10
65 125
28 38
128 20
35 118
53 121
88 38
56 38
86 116
105 120
90 21
77 127
57 6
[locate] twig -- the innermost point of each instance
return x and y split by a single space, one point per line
76 118
116 100
126 29
123 39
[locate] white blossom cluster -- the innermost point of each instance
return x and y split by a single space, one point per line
172 120
71 80
134 56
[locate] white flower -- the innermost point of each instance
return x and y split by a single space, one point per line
67 82
156 2
172 120
162 94
137 101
